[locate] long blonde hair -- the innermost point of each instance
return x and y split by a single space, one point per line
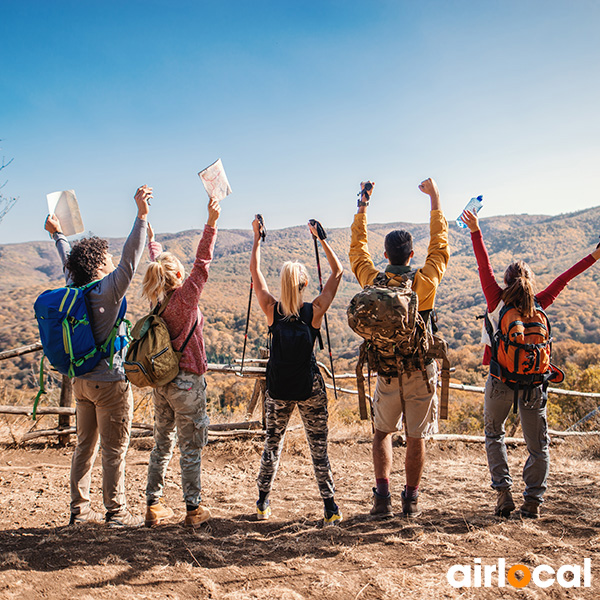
161 277
294 279
520 287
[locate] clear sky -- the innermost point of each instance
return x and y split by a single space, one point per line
301 100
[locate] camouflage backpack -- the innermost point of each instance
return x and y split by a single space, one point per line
396 338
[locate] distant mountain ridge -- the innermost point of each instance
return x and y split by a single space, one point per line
550 244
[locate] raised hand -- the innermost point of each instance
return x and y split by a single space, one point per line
429 187
214 210
52 224
470 219
142 197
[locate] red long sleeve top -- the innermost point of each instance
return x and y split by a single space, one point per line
493 292
182 310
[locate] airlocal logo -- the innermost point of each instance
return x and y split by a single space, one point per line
543 576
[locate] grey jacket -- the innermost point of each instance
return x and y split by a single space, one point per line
106 298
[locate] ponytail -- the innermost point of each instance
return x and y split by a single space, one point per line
161 277
520 288
294 279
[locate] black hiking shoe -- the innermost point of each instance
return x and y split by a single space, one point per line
410 507
382 506
504 504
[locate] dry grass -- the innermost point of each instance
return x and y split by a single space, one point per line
292 555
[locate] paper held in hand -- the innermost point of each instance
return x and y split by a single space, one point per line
215 181
64 206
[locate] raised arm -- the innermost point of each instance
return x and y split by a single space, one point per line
53 227
266 300
118 281
430 274
549 295
154 247
361 262
323 301
194 285
491 290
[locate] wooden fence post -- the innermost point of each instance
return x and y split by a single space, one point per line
66 399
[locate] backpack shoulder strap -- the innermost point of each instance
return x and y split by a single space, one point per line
306 316
380 279
160 307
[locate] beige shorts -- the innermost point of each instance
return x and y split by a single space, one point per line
421 405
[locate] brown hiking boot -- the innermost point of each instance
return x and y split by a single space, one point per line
530 509
504 504
196 517
156 513
382 506
410 507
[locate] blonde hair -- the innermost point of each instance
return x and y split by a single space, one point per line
161 277
294 279
520 288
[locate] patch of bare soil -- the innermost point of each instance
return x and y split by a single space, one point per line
292 556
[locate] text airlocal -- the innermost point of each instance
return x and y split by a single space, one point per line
499 575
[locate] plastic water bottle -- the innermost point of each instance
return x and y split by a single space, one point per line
474 206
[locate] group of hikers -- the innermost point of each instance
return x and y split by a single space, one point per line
405 395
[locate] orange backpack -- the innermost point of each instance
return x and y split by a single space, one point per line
521 350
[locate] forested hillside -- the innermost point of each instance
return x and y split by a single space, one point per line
549 243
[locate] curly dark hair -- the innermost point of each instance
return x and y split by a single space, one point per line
85 258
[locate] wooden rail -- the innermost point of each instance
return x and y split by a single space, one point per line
257 371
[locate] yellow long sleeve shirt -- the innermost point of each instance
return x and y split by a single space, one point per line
427 278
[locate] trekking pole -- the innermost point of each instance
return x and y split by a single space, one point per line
322 235
263 235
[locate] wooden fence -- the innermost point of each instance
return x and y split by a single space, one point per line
256 370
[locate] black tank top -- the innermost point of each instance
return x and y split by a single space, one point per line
292 362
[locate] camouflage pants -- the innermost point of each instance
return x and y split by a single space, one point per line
181 405
314 415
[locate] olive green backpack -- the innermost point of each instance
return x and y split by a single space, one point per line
151 359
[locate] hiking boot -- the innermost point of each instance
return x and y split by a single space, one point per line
196 517
530 509
263 511
410 507
505 503
156 513
123 518
333 518
382 506
89 516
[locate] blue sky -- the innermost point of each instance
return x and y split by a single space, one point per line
301 100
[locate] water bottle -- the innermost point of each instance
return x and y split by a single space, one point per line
473 206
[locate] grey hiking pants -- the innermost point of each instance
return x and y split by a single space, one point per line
498 403
314 415
181 405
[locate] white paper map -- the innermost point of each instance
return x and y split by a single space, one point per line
215 181
64 206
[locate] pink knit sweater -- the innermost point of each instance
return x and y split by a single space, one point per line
182 310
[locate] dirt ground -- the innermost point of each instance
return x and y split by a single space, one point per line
292 556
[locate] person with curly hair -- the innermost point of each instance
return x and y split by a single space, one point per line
87 256
104 402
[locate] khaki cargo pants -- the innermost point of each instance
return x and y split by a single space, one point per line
105 411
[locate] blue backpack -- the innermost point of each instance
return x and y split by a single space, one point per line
66 332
